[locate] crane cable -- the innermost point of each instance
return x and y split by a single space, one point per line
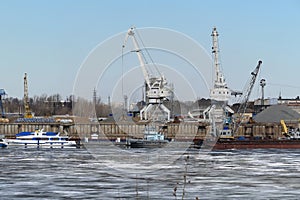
122 84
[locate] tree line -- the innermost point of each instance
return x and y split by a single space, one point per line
45 105
55 104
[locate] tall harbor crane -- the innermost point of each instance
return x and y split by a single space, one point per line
2 94
28 113
156 88
220 91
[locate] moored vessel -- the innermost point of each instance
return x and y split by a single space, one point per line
3 143
40 138
152 138
248 144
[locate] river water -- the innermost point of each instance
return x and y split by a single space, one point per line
108 173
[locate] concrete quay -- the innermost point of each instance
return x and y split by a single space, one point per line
178 131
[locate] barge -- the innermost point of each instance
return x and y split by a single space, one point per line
258 144
248 144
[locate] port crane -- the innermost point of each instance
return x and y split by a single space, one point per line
28 113
2 95
244 102
220 93
156 88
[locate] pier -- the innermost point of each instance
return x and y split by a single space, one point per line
173 131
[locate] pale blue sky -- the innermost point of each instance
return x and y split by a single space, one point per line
50 39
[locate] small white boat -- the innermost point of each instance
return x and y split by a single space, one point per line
3 143
40 138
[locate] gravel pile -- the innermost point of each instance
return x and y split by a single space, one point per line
275 113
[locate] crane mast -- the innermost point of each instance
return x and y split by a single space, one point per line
220 91
219 79
155 87
27 113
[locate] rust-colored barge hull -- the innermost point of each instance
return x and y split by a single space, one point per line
251 144
259 144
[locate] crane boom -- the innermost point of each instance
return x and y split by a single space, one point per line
138 51
285 129
244 103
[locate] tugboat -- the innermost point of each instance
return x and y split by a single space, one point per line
152 138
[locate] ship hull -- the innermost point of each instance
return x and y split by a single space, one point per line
146 144
249 144
40 143
3 144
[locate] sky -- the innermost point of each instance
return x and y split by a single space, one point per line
50 39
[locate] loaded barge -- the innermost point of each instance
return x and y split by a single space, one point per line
248 144
287 139
258 144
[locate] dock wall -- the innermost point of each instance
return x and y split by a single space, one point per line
178 131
